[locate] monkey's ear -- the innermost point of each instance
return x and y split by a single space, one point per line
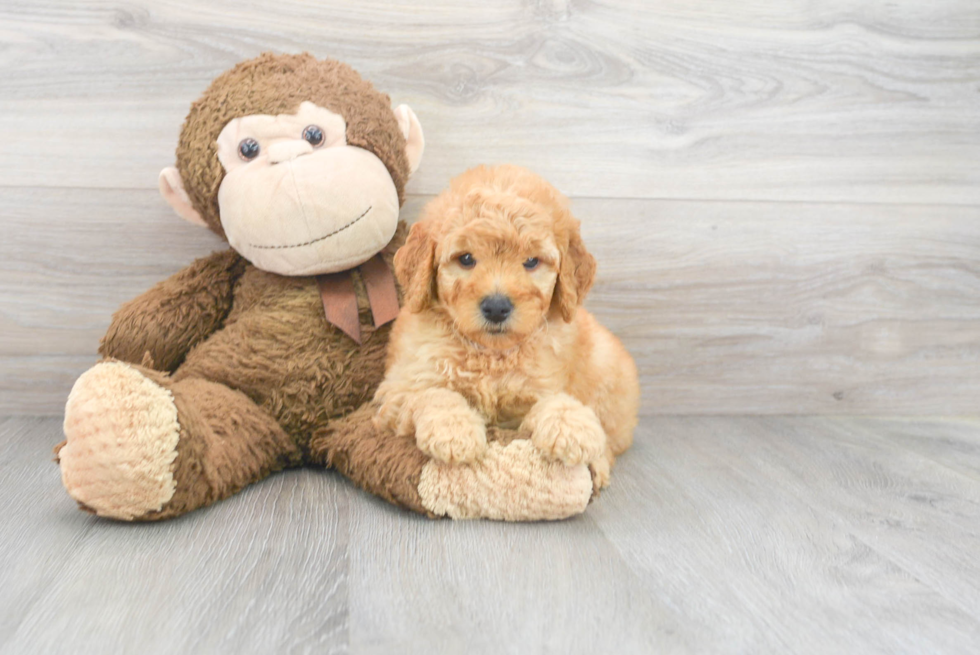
408 122
172 190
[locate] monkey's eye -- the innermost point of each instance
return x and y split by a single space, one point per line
248 149
466 260
531 263
313 135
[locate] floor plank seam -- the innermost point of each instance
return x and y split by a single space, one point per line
572 196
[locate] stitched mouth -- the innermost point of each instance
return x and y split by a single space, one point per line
318 239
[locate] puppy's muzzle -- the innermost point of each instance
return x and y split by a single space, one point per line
496 308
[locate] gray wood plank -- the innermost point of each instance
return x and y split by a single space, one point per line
910 507
719 534
837 100
481 587
264 572
786 308
728 307
950 442
714 512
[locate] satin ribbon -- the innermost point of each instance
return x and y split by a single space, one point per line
340 300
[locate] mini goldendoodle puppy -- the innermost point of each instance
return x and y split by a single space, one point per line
493 332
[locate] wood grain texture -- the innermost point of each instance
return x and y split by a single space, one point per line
719 534
479 587
762 308
223 580
784 199
728 308
790 535
764 100
735 297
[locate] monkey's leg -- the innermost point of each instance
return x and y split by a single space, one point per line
512 481
140 446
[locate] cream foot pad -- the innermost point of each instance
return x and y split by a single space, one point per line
122 431
509 483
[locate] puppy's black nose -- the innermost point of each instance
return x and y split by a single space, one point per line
496 308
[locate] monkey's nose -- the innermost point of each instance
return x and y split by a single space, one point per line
288 150
496 308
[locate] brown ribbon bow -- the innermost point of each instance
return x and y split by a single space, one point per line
340 301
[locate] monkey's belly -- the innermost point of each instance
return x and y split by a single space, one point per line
291 362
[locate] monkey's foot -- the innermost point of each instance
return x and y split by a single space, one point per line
121 435
512 482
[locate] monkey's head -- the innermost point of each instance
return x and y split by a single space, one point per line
299 163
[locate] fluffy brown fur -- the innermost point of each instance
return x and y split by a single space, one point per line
259 379
267 387
550 368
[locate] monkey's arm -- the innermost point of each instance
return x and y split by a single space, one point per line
175 315
512 481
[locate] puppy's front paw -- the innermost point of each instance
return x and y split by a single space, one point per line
563 428
601 470
451 436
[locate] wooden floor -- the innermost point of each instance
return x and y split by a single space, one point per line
784 200
719 535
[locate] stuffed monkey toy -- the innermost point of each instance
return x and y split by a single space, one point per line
266 355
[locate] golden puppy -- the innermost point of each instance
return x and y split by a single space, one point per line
493 331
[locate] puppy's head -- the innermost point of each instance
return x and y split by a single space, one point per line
498 254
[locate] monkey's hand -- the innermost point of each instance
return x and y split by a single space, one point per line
162 325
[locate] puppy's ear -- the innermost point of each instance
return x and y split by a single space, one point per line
415 267
576 273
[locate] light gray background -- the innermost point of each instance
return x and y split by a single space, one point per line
784 199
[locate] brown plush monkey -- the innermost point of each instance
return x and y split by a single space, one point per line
265 356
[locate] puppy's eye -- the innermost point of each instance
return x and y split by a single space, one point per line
313 135
531 263
248 149
466 260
